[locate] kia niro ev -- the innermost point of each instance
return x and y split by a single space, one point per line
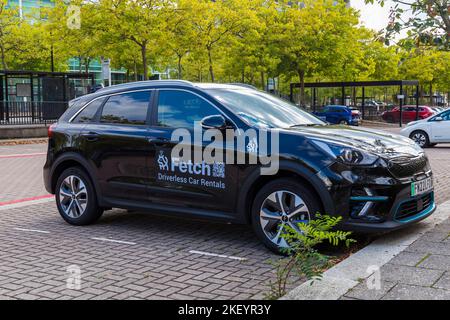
114 149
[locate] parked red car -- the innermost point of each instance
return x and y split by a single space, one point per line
408 114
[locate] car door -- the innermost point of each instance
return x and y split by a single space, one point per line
440 130
187 183
407 114
332 115
117 146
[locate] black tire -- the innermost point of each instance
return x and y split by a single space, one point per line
423 142
290 185
343 122
92 211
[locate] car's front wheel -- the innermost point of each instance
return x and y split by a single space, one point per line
76 199
280 203
420 138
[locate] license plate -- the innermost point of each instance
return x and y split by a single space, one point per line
421 187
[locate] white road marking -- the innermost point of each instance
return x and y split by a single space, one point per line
216 255
31 230
115 241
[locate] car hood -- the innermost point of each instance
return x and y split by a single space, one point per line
382 143
409 124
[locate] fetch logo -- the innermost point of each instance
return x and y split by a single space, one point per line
201 168
217 169
163 162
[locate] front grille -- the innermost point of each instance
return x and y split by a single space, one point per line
408 167
413 207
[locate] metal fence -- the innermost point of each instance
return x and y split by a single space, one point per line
23 113
39 97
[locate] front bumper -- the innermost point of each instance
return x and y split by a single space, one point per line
392 222
378 199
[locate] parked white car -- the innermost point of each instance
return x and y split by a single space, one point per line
431 131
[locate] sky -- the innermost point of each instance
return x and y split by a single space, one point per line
373 16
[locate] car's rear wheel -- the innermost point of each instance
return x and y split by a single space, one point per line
76 199
283 202
420 138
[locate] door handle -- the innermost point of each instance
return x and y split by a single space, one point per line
158 140
90 136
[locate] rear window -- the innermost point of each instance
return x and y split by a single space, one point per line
88 114
127 108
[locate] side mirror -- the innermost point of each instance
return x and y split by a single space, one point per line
438 119
214 122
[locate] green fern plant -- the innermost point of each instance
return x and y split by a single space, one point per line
303 258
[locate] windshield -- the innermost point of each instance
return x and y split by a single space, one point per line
264 110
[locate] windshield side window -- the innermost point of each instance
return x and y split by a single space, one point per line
180 109
445 116
268 110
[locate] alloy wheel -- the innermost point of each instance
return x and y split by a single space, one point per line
420 139
73 196
280 209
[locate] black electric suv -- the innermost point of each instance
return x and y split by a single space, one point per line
112 149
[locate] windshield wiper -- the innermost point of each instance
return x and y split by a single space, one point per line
307 125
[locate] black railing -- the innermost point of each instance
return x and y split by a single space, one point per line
22 113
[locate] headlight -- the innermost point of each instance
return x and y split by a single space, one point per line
347 155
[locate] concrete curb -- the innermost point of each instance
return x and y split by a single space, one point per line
348 273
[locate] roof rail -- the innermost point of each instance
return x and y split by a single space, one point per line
145 83
244 85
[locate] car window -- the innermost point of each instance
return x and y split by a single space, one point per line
126 108
88 113
268 110
180 109
445 116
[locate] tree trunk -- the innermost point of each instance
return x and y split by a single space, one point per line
2 49
86 67
180 68
135 71
144 60
211 70
431 94
263 85
301 95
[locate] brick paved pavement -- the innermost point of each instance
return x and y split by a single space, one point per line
420 272
155 262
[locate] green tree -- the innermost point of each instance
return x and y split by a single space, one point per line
9 19
428 21
429 66
314 36
139 22
216 24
